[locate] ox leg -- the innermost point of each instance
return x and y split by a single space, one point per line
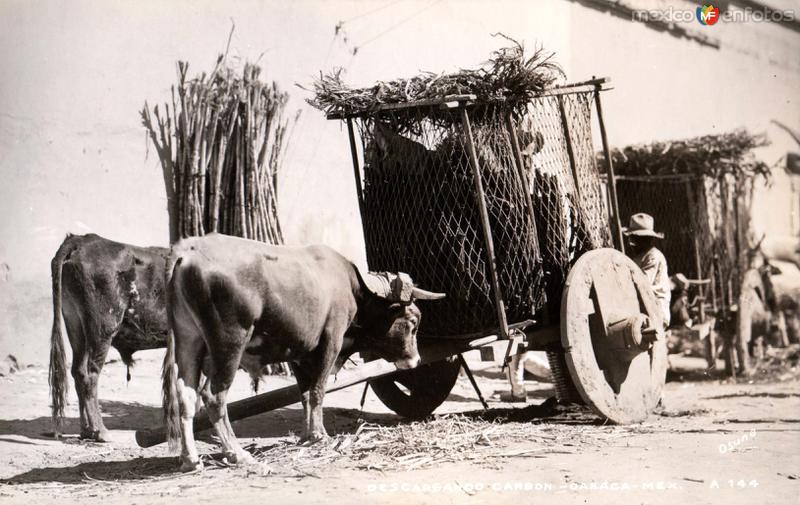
96 358
782 337
188 357
742 344
322 364
77 342
79 375
225 363
88 359
304 384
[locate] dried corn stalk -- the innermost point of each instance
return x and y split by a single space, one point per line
220 142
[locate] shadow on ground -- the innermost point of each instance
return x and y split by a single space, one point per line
116 416
83 473
338 421
753 395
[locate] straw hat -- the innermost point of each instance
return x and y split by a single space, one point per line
641 225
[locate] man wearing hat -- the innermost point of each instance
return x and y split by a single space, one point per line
642 237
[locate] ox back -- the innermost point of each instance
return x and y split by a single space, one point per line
110 294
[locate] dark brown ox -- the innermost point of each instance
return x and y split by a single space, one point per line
110 294
231 297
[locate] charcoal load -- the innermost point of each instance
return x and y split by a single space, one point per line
421 216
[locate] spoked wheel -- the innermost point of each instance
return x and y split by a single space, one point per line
415 393
613 336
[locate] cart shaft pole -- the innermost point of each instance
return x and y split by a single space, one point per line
480 196
521 172
611 180
713 287
527 185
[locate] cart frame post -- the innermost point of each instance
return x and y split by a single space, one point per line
697 263
356 169
611 180
480 196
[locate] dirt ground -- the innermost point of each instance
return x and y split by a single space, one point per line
713 442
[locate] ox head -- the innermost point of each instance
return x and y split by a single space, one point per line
390 318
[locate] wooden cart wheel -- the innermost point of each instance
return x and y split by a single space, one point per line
613 336
415 393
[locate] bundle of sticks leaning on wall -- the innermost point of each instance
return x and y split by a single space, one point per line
221 142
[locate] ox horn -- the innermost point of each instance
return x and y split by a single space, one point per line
421 294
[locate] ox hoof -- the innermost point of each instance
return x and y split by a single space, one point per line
191 466
313 437
240 457
96 435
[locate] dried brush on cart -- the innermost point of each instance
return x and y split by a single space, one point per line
509 75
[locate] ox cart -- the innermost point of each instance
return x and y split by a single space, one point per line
700 193
501 206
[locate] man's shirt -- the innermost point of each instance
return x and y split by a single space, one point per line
654 265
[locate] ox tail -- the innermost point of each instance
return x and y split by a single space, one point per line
169 371
58 360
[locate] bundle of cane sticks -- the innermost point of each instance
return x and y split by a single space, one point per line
221 143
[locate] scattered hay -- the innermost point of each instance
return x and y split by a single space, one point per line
682 412
425 444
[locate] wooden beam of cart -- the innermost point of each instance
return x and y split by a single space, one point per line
430 350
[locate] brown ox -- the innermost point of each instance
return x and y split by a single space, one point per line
232 297
110 294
